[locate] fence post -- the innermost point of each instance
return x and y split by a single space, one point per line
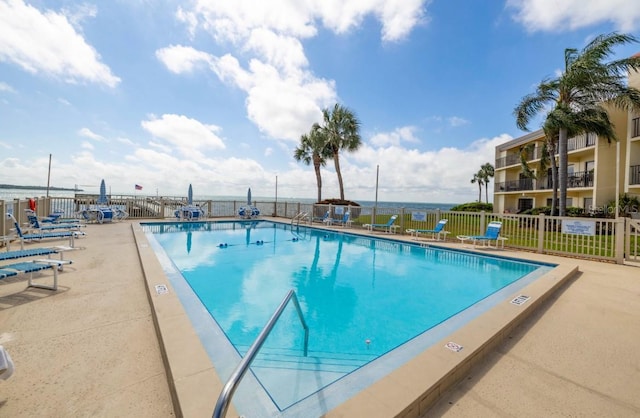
620 237
627 241
482 222
3 220
541 229
401 221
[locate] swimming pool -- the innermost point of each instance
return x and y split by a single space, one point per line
364 299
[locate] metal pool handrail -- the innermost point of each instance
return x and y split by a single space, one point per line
234 380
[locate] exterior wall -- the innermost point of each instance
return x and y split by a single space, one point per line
632 157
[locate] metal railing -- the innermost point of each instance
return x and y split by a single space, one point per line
302 216
634 174
530 232
234 380
573 144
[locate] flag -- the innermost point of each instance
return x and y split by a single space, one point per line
138 187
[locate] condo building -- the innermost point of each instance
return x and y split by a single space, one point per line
598 170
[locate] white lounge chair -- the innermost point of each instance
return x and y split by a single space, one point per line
435 232
388 227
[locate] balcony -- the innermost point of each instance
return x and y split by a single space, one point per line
581 141
577 179
515 185
575 143
580 179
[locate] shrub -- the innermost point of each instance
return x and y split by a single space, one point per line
473 207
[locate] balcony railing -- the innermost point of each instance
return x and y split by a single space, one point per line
575 143
515 185
581 141
634 174
578 179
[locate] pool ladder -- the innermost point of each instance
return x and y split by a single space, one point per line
234 380
300 217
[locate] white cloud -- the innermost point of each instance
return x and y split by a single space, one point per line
456 121
283 97
188 18
427 176
188 136
282 105
47 43
406 174
6 87
553 15
87 145
404 134
283 52
125 141
180 59
87 133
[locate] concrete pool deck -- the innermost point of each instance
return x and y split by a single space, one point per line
91 348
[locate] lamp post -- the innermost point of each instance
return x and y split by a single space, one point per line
377 174
49 176
375 206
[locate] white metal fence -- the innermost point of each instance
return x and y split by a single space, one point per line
598 238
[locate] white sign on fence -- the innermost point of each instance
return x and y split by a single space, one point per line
419 216
579 227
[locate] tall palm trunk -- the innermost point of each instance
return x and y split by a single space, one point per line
554 179
316 167
479 192
336 161
486 190
562 151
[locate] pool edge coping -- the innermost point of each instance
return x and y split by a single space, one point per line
408 391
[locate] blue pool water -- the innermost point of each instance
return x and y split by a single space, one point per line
370 304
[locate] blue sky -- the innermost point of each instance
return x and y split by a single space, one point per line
216 93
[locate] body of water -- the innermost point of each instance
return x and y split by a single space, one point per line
362 298
11 194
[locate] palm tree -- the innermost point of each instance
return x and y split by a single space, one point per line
313 150
551 145
547 157
486 172
578 95
340 128
477 178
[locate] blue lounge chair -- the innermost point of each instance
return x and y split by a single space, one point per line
34 252
44 235
97 214
435 232
189 213
53 218
492 234
248 212
31 267
34 223
344 221
322 219
101 212
388 227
